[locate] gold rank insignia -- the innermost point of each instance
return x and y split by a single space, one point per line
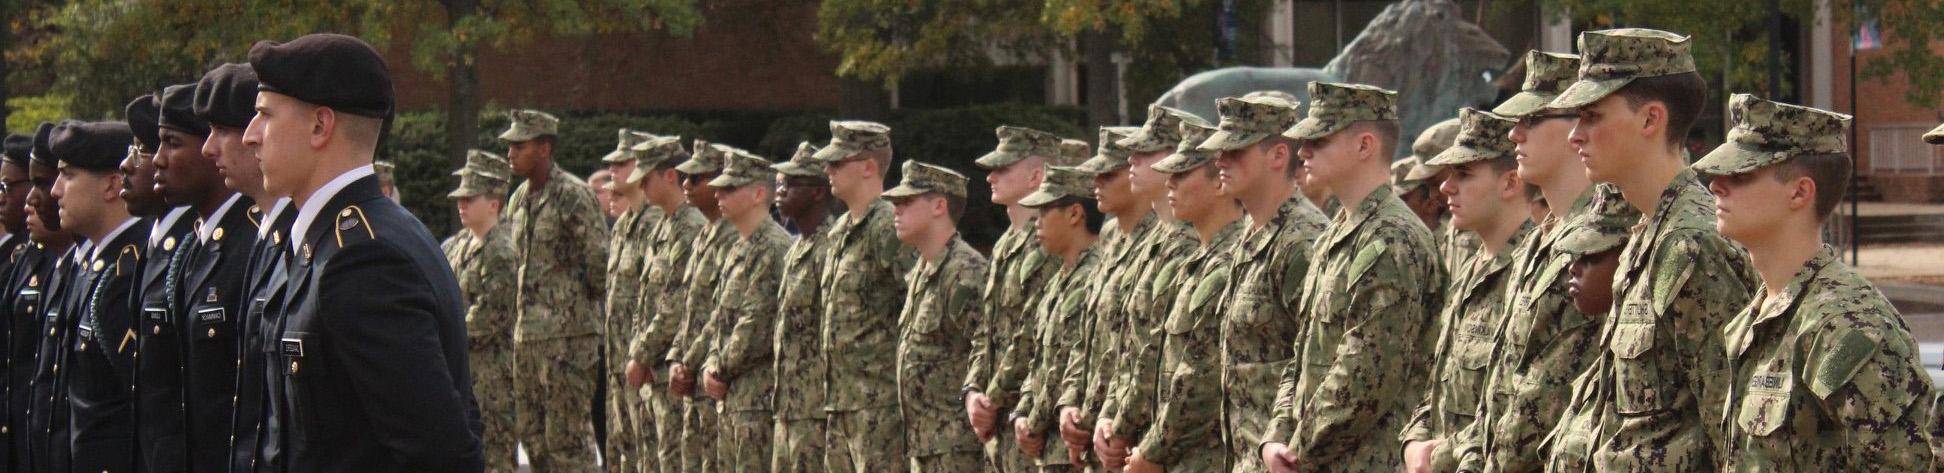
219 234
276 237
168 244
33 281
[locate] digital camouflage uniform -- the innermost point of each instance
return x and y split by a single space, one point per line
1825 374
1653 400
1083 385
1538 349
1261 322
627 250
700 422
1368 300
480 264
1473 306
1061 316
1017 273
863 291
941 317
736 339
664 249
560 235
797 443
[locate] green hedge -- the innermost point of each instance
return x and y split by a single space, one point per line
950 137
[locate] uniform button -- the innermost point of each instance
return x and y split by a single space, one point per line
293 367
212 333
156 330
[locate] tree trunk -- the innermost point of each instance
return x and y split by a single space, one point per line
462 78
862 99
1103 77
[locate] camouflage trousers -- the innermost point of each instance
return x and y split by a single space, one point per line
951 462
700 424
1002 453
744 441
869 440
553 395
798 446
662 453
492 378
620 454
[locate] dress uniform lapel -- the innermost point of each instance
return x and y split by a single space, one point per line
209 254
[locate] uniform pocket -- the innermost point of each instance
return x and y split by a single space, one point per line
1640 386
1766 407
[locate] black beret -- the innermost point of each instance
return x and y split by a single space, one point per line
142 114
18 148
42 154
178 104
226 95
95 146
331 70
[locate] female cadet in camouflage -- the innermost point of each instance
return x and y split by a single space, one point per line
1068 225
627 250
1019 268
1824 374
737 338
941 316
804 201
479 255
661 303
1488 200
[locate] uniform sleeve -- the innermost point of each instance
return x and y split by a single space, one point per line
1703 295
1879 401
1191 407
490 316
654 337
1009 376
591 228
977 370
1130 401
1079 353
388 342
1367 369
748 345
1421 428
1068 337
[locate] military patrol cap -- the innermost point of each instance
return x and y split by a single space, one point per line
742 168
1768 132
178 110
1935 136
1401 174
331 70
226 96
485 173
525 125
624 146
1483 136
848 138
142 114
1334 106
922 178
42 153
19 148
1611 59
1435 140
1187 157
1547 74
1112 155
1161 132
654 153
1285 96
1246 121
1610 226
1018 143
708 158
1060 182
94 146
802 163
1073 152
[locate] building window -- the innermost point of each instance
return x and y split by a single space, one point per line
1900 148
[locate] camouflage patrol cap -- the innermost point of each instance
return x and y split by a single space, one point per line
1768 132
922 178
1483 136
1060 182
1193 131
1161 132
484 173
525 125
1611 223
624 146
742 168
707 158
1111 155
1547 74
652 154
1018 143
1611 59
801 164
385 170
1401 174
1073 152
1334 106
848 138
1246 121
1935 136
1435 139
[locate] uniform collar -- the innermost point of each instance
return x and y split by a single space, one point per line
270 217
94 248
216 219
161 228
319 199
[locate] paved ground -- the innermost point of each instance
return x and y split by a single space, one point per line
1912 275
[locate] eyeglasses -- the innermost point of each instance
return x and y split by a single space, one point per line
1533 120
11 185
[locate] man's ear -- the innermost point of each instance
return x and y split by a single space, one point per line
1803 193
1511 187
1653 118
324 126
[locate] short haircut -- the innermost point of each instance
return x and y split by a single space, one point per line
1290 170
1684 94
1503 164
954 206
881 155
1830 172
1386 131
1088 207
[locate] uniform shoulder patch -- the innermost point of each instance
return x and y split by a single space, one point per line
1366 258
352 226
129 257
1844 356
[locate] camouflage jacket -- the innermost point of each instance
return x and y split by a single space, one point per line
480 264
1018 270
737 339
1061 315
1368 300
863 289
1474 309
1262 323
799 355
1653 399
1183 430
704 277
628 248
559 234
1825 378
941 313
662 305
1538 351
1084 384
1158 262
